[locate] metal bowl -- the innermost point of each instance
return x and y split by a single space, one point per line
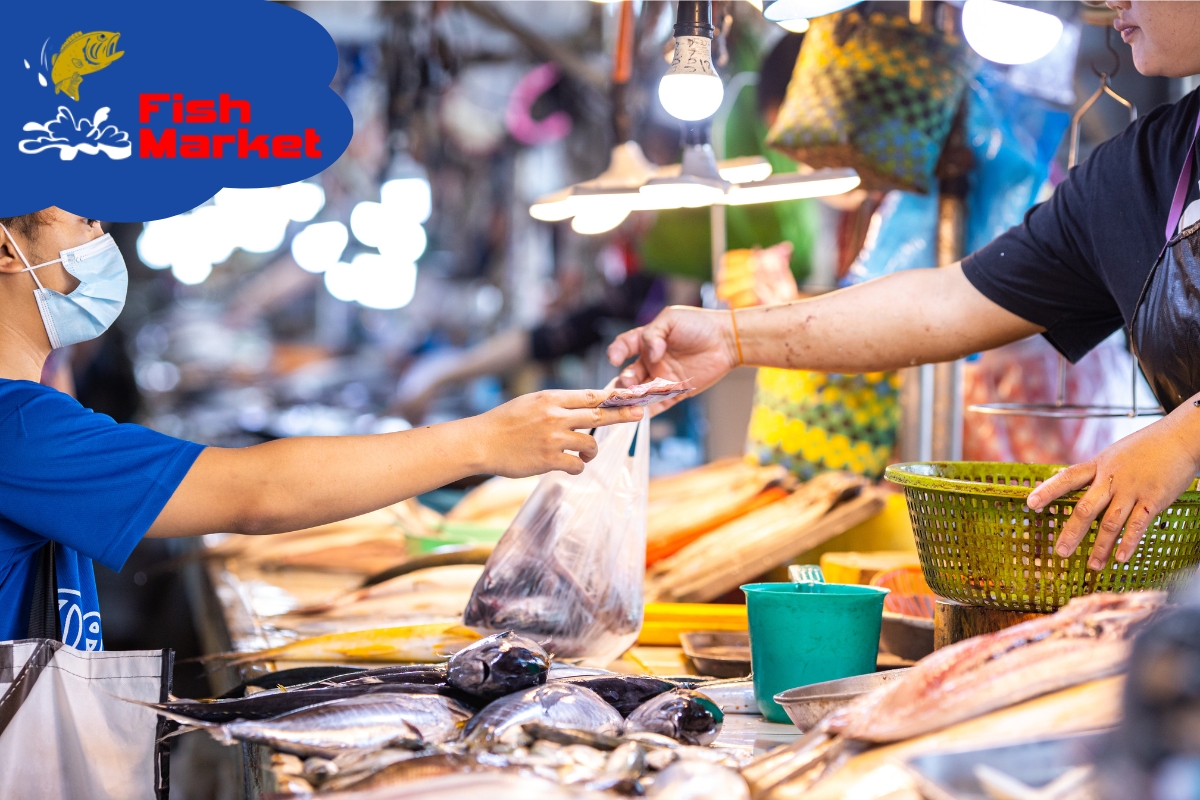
807 705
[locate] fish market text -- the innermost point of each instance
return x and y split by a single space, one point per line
223 110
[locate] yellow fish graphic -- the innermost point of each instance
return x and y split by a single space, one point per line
82 54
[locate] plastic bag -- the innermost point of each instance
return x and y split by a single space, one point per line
1027 372
569 570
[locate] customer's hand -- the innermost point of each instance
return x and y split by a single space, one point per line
533 433
682 343
1130 483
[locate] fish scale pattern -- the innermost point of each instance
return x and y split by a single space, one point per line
876 93
979 544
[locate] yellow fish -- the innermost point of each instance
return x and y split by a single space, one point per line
82 54
414 643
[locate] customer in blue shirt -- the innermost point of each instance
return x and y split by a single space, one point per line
94 488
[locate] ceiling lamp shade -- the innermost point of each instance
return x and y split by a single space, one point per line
793 186
787 10
1007 33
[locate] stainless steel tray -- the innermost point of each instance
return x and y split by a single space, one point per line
806 705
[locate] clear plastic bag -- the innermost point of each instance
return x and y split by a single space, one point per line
569 570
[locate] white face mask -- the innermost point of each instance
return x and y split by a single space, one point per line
95 303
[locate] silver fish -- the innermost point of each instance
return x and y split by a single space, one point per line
367 722
698 780
682 714
560 705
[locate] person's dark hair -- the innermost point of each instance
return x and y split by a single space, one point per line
25 224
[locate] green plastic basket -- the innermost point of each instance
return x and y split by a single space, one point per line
979 544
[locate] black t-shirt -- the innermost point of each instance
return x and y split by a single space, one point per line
1077 264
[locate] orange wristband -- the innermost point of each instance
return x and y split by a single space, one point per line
736 339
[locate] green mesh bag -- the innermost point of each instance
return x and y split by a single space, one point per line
876 93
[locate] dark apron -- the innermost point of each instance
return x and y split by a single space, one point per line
1165 328
44 622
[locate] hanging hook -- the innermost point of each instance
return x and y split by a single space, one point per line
1116 57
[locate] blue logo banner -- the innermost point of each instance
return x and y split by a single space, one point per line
136 110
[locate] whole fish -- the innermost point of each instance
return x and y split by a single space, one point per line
365 722
413 643
266 705
498 665
309 677
430 766
82 54
682 714
623 692
733 695
1087 639
456 579
560 705
698 780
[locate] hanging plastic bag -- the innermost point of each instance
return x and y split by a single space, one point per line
569 570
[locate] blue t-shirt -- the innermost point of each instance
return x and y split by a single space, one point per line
78 478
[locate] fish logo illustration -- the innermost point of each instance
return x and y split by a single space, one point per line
82 54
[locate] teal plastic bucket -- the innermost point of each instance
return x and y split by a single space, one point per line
802 633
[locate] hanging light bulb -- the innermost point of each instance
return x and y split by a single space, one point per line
691 89
1009 34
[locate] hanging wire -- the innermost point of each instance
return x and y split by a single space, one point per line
1061 409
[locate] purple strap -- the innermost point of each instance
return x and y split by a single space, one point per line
1181 188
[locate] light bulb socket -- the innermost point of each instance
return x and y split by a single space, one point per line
694 18
695 133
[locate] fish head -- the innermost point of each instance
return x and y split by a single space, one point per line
100 48
681 714
499 665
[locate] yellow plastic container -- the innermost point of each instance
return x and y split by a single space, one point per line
663 622
859 568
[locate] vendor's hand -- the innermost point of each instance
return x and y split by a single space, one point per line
531 434
1131 482
681 343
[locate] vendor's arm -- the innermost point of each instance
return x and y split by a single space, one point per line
914 317
1131 482
298 483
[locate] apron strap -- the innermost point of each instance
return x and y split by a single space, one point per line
44 621
1181 188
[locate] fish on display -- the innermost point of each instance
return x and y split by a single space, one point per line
82 54
423 766
365 722
432 674
498 665
682 714
560 705
418 643
290 677
440 583
623 692
1087 639
733 695
265 705
698 780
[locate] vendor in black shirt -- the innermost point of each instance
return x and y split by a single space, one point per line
1118 244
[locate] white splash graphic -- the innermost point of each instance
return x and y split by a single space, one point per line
73 137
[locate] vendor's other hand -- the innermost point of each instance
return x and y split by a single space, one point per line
681 343
1130 482
533 433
